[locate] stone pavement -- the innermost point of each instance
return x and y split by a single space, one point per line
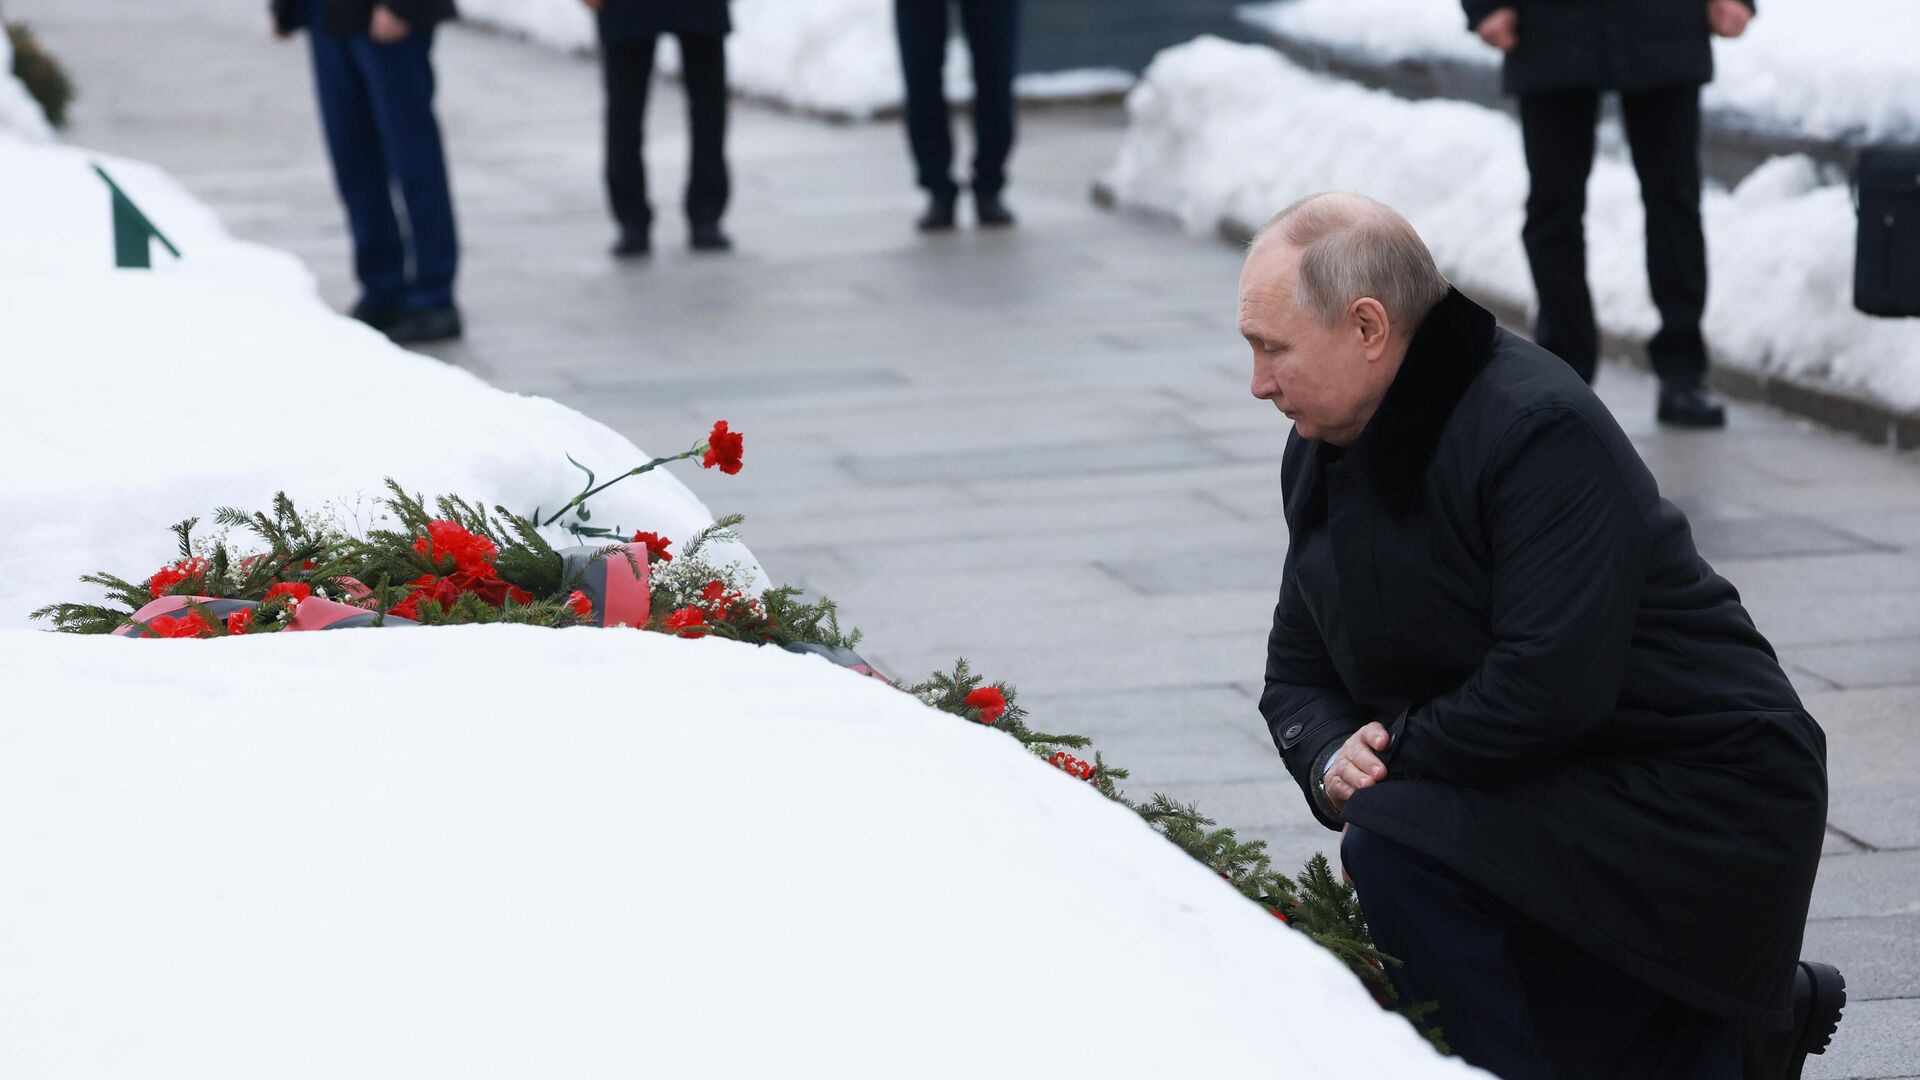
1035 449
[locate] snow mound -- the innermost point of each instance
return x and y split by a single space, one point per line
1220 132
506 852
138 398
1840 69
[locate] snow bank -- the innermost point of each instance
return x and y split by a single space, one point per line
138 398
507 852
836 57
1223 132
1839 69
20 115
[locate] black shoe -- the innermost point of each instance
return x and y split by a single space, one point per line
632 244
1819 996
710 238
424 325
990 212
1690 404
939 215
378 316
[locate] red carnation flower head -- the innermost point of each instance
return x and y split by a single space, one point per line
1281 915
240 621
687 622
656 546
190 625
295 591
713 591
581 605
165 578
991 703
471 554
723 449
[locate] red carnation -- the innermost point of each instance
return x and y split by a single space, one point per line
471 554
713 591
578 601
190 625
991 703
656 546
1281 915
165 578
723 449
296 591
686 622
240 621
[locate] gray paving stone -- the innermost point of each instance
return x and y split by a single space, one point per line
1886 662
1876 1040
1770 536
1870 885
1880 957
1064 460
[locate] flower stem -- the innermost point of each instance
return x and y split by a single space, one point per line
580 499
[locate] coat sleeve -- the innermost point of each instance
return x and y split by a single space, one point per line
1569 548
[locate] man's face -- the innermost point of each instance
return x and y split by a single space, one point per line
1317 375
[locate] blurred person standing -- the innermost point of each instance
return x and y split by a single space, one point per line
373 76
1560 56
629 30
992 32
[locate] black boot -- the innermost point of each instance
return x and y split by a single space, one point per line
632 244
423 325
710 238
1690 404
378 316
939 215
990 212
1819 995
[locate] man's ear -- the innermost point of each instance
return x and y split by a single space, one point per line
1370 320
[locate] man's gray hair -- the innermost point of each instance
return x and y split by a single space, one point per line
1351 246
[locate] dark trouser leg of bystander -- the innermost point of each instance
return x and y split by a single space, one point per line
993 31
1557 130
1663 131
1514 998
627 69
922 29
703 64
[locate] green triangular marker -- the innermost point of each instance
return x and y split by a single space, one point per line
132 232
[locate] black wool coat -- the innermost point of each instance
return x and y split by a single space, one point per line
1604 44
632 20
346 18
1585 721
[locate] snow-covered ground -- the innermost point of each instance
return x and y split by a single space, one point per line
1837 69
146 397
836 57
509 852
1224 132
20 115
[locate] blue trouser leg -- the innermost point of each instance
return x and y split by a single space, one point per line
399 81
1515 998
359 171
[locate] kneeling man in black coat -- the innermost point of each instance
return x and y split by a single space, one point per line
1581 800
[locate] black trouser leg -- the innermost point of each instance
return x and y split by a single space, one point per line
1663 131
1514 998
628 69
993 32
922 29
703 65
1557 130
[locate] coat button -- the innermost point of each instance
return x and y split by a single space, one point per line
1292 732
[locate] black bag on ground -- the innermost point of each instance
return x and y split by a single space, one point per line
1886 268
